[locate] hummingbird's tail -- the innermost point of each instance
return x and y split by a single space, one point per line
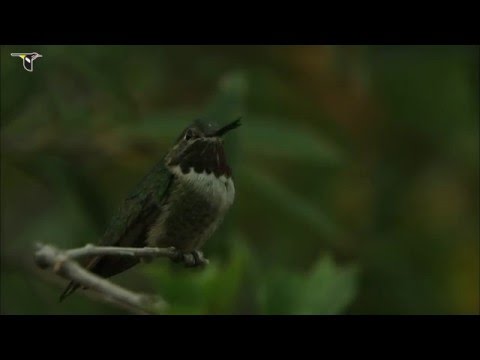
72 286
101 266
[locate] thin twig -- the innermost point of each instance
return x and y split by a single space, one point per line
63 263
146 252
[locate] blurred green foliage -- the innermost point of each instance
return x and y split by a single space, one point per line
356 173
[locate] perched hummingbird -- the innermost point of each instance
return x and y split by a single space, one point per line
179 203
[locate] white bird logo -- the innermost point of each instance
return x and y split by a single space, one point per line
27 59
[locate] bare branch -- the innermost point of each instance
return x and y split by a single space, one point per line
63 263
144 253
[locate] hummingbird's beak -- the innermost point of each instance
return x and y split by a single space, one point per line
227 128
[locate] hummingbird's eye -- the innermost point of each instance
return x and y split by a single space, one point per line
189 134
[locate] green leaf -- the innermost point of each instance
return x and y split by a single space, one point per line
279 293
212 289
181 288
329 289
326 289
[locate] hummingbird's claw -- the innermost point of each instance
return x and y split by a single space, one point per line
199 259
190 259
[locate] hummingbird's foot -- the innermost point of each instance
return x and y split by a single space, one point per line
190 259
195 259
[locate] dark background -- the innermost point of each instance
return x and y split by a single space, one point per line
356 173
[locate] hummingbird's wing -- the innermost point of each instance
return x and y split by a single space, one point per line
136 212
130 226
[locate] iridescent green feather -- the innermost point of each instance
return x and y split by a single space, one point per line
147 194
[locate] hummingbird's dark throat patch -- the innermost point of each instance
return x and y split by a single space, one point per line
204 156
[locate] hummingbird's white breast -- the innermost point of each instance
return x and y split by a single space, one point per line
212 197
219 190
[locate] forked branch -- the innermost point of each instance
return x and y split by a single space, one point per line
63 263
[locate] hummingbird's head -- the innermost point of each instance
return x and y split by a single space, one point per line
200 148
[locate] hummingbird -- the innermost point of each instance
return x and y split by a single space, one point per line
179 203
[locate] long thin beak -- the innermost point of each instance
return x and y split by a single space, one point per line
233 125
